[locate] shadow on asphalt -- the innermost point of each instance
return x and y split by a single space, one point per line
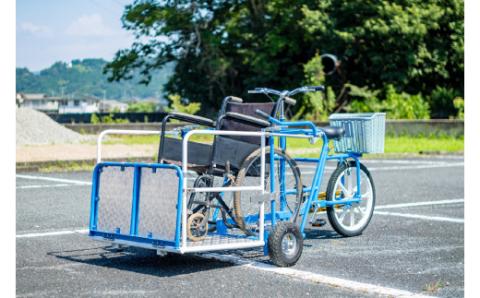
139 260
320 234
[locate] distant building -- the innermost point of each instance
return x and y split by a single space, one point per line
111 106
58 104
79 105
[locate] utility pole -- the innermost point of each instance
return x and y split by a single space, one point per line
103 101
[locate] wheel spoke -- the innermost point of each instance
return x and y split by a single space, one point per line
366 194
342 215
345 191
352 217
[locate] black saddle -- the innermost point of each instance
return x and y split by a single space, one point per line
333 132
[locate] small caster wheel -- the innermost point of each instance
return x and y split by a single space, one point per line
285 244
197 227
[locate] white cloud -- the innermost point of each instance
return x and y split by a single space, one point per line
37 30
90 26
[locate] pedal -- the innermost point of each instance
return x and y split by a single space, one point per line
319 222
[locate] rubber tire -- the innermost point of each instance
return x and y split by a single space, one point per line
275 251
330 190
237 210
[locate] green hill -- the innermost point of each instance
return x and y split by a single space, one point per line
85 77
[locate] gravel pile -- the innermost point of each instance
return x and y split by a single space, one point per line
35 127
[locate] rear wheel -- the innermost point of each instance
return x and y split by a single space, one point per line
350 219
289 188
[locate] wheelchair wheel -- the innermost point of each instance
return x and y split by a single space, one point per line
197 227
289 190
198 200
285 244
350 220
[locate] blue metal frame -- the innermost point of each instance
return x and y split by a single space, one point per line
284 127
134 219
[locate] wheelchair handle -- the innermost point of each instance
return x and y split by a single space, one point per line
235 99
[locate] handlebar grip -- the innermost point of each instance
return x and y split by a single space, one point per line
262 114
290 101
235 99
317 88
253 91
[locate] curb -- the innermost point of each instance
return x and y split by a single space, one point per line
37 166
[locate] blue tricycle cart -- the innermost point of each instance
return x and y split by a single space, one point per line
241 189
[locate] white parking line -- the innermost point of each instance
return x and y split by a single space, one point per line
418 216
424 203
375 169
79 182
43 186
314 277
53 233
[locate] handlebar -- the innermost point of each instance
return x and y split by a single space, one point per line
290 101
286 93
314 130
262 114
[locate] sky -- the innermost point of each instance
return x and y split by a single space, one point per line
62 30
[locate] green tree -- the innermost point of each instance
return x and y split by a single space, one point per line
176 105
219 48
416 45
142 107
224 48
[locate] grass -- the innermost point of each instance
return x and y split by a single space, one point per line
423 145
396 145
393 146
433 287
146 139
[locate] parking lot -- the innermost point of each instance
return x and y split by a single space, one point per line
414 245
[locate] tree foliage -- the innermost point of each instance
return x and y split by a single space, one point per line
222 48
177 105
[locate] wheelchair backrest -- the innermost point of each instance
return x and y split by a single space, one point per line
235 149
249 110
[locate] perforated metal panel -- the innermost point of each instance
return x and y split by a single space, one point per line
158 201
115 199
364 132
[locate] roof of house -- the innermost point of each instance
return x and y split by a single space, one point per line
32 96
43 96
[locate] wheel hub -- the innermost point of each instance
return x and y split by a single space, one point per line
289 245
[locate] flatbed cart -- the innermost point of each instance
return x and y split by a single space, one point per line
150 204
145 204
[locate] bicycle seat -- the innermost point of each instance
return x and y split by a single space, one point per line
333 132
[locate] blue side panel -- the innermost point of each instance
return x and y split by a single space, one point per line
133 233
143 240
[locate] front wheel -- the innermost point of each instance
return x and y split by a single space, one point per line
285 244
350 219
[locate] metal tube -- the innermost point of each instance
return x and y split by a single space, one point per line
119 132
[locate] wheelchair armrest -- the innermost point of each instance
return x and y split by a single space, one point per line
192 119
247 119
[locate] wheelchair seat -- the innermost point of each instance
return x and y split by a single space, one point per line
232 150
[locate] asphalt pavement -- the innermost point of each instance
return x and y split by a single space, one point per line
414 245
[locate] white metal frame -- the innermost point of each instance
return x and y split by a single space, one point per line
261 187
184 248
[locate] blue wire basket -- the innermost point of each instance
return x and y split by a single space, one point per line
364 132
